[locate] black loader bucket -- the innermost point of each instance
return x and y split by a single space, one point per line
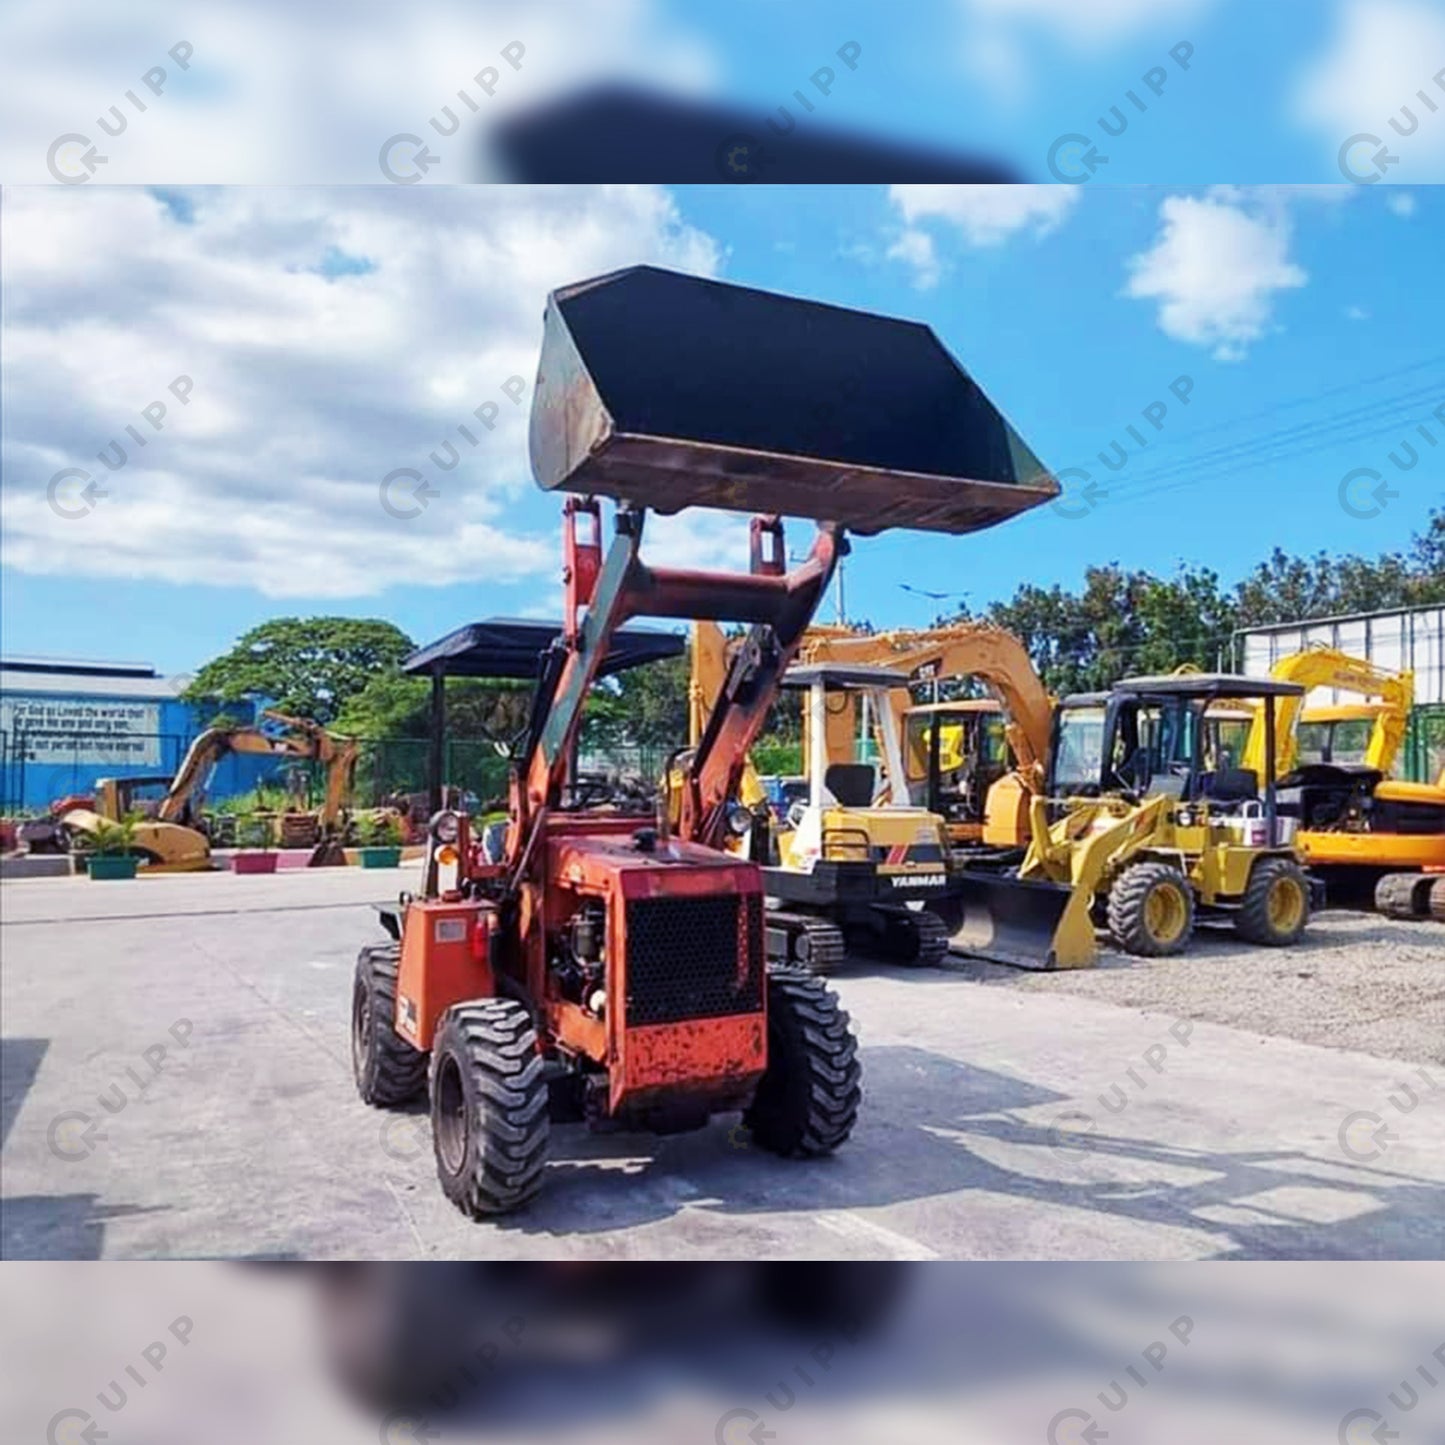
672 391
1028 923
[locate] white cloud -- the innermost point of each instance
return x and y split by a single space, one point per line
280 92
982 215
988 215
1401 203
1088 23
1001 39
915 248
1356 313
307 391
1215 270
1382 54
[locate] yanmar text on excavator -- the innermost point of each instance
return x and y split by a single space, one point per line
603 967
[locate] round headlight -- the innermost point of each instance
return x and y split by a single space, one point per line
739 820
446 827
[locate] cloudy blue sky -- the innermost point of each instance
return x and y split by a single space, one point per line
333 335
277 90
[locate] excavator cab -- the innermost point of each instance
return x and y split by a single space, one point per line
954 753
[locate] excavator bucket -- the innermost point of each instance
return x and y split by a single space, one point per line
674 391
1027 923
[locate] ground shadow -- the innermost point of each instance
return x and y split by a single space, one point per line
60 1226
925 1116
19 1065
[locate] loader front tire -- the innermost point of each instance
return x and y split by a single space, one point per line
490 1122
388 1071
1276 904
807 1100
1437 900
1151 910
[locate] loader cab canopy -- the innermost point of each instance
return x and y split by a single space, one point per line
513 647
1153 735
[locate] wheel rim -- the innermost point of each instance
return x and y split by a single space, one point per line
1165 913
361 1029
450 1123
1284 905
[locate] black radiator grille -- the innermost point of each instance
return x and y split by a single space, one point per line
694 958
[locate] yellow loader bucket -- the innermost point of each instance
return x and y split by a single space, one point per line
1023 922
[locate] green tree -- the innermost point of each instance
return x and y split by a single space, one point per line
392 705
308 666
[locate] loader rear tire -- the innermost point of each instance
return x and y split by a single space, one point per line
1437 900
490 1123
389 1072
807 1101
1276 904
1151 910
1404 895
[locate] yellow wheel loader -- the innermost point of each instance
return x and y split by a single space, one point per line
1360 829
1149 829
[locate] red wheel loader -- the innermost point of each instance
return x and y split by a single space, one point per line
599 966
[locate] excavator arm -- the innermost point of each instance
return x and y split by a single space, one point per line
1327 667
307 740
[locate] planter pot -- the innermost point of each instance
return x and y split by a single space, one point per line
253 863
104 865
379 857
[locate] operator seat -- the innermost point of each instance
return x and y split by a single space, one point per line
852 784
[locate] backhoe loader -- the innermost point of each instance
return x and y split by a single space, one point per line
1145 830
604 968
1357 825
171 834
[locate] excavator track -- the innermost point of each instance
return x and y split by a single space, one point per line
805 939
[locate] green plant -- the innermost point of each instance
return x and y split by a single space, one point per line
253 832
113 839
380 830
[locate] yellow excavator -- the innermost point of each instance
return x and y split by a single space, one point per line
170 834
863 839
975 762
1356 823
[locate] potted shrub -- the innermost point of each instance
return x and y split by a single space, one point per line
381 839
112 852
253 840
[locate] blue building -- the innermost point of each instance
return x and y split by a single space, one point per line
65 723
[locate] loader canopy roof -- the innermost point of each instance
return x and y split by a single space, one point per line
1208 684
839 676
512 647
672 391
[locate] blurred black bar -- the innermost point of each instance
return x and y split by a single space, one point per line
617 134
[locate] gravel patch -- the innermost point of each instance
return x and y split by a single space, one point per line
1355 981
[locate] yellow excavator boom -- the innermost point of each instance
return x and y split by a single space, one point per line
1327 667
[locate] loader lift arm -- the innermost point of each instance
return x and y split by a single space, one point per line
603 593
